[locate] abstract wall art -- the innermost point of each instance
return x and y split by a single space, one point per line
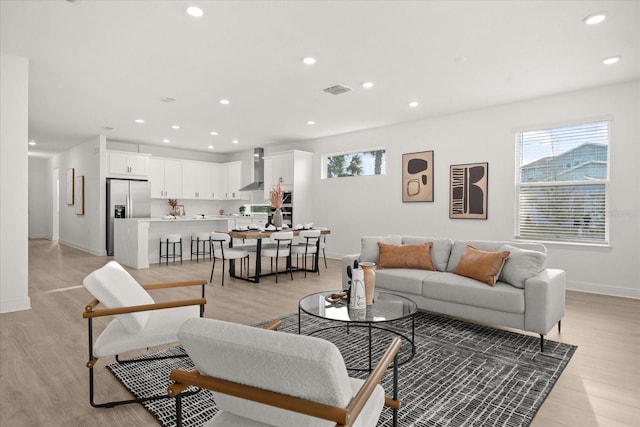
417 177
468 193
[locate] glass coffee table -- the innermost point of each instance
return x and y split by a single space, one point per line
389 315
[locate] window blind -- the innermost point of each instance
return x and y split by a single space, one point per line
561 183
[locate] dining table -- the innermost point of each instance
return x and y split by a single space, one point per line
258 236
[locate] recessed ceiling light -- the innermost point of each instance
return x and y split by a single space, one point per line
225 102
596 18
309 60
611 60
413 104
235 141
175 127
210 147
194 11
214 133
139 121
311 122
367 85
32 143
166 141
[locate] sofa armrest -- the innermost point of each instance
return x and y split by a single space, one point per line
346 261
544 296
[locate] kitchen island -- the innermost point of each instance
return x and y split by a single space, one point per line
137 240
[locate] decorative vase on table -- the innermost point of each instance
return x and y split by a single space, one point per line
277 218
369 280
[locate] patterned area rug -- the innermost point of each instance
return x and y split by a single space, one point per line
462 374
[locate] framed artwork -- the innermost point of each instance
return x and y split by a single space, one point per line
468 193
417 177
79 188
179 210
70 186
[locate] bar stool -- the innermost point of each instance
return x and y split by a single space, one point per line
203 245
173 240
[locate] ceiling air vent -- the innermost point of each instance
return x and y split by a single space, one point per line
337 89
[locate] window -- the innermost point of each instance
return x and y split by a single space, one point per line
361 163
561 183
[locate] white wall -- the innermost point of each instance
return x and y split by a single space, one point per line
357 206
39 210
86 232
14 186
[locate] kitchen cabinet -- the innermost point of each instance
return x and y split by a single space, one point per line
196 180
123 164
165 176
293 170
227 181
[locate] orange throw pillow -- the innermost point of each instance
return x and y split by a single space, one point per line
481 265
416 256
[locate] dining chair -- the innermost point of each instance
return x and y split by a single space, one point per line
139 322
268 378
308 246
280 247
221 250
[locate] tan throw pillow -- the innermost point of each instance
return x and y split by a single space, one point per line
481 265
416 256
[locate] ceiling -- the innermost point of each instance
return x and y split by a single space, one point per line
95 65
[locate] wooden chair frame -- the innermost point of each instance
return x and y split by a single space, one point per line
90 313
343 417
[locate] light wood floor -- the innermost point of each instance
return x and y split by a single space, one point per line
43 351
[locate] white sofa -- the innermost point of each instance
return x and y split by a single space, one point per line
527 295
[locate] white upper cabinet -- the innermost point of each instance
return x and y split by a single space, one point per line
196 180
165 176
278 167
293 170
122 164
234 181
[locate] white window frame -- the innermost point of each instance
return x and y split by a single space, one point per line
326 156
579 238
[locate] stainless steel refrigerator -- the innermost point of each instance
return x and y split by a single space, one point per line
126 199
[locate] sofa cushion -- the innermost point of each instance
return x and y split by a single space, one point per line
521 265
416 256
486 245
440 250
462 290
402 280
481 265
369 246
114 287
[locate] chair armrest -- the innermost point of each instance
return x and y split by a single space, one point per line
374 378
183 379
90 313
274 325
152 286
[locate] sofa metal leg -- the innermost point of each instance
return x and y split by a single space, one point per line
541 343
559 325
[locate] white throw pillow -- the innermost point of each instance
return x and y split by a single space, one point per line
521 265
114 287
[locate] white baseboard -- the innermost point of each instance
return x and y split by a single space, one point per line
596 288
15 305
93 251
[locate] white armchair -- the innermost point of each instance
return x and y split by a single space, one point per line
264 378
139 321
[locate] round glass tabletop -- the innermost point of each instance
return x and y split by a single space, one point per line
386 307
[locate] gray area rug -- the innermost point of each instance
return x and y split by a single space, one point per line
462 374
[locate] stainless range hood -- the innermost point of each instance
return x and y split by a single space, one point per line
258 171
